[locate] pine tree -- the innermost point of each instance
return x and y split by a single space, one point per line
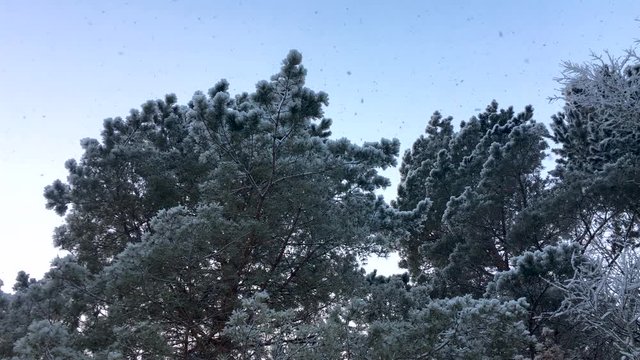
597 172
44 316
181 212
599 153
472 185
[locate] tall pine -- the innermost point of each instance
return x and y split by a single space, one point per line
181 212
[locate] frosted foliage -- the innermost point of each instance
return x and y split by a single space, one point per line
606 299
46 341
477 182
608 86
598 171
394 321
235 226
183 212
457 328
601 124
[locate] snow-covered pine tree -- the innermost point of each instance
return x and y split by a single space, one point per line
599 168
599 153
472 185
181 212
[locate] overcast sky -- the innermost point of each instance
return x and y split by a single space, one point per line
387 65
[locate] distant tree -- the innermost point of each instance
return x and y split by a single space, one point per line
16 314
6 341
416 167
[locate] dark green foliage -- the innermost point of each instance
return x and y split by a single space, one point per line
233 227
599 138
180 212
535 277
476 182
391 319
599 154
144 163
45 312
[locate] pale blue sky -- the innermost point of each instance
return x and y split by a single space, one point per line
67 65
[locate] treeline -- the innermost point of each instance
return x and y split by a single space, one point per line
233 227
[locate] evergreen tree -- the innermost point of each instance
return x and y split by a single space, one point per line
427 152
233 227
604 301
46 341
41 315
597 172
145 163
391 319
472 185
6 341
599 153
181 212
535 276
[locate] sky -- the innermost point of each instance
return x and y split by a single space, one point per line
65 66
